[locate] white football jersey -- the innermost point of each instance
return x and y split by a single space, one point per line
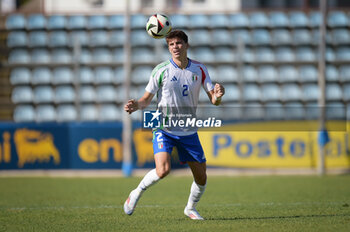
177 89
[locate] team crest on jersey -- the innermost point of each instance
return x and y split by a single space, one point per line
194 78
160 145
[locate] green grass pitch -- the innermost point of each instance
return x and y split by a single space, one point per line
266 203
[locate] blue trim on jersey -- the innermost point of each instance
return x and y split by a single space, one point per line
176 66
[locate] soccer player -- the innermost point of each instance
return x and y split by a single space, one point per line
177 83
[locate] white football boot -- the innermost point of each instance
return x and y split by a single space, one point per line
131 202
193 214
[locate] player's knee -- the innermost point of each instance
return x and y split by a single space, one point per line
163 172
201 180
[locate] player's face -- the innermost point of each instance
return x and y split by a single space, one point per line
177 48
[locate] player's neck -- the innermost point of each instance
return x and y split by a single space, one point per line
181 62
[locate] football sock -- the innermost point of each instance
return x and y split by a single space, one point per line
148 180
195 195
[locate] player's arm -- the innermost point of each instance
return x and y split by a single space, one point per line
216 94
132 105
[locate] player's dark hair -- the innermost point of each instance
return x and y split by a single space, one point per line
177 34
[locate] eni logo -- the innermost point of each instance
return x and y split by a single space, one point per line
5 148
32 146
92 151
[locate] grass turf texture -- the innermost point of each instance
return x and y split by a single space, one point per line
268 203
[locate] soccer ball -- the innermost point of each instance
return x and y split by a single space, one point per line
158 26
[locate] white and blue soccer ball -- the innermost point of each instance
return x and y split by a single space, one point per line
158 26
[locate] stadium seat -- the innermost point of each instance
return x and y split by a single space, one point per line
138 21
218 21
86 75
267 73
179 21
258 19
310 92
20 76
88 113
334 92
56 22
203 97
294 110
337 19
104 75
37 39
76 22
141 74
45 113
117 38
17 39
109 112
344 72
106 93
226 73
140 38
64 94
261 37
302 37
288 73
305 54
315 34
270 92
40 55
308 73
41 76
330 54
199 21
284 54
61 55
58 39
332 74
221 54
87 93
346 92
312 110
24 113
274 111
251 92
249 74
315 19
99 38
85 56
222 37
291 92
36 22
102 55
335 110
119 55
116 22
44 94
97 22
264 54
62 76
342 53
340 36
19 56
206 54
22 94
254 111
278 20
281 37
15 22
201 37
232 93
239 20
142 55
119 75
66 113
241 36
298 19
248 55
79 37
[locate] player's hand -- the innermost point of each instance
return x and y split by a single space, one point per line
131 106
219 90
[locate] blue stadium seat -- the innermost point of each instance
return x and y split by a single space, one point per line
141 74
221 37
24 113
315 19
61 55
97 22
302 37
334 92
15 22
40 55
203 97
18 56
254 111
88 113
285 54
86 75
138 21
264 54
340 36
76 22
44 94
316 37
298 19
80 37
261 37
342 53
102 55
232 93
85 56
238 20
66 113
118 55
344 73
213 73
278 19
20 76
259 19
41 76
310 92
201 37
241 36
117 38
99 38
249 74
119 75
219 21
106 93
291 92
206 54
104 75
179 21
37 39
248 55
64 94
294 110
17 39
332 73
36 21
58 39
267 73
140 38
143 55
251 92
330 54
337 19
45 113
221 54
116 22
199 21
62 76
22 94
270 92
227 73
109 112
308 73
274 111
288 73
281 37
305 54
56 22
312 110
346 92
87 93
335 110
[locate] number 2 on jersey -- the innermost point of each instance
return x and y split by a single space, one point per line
185 91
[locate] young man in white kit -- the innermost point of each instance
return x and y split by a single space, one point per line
177 83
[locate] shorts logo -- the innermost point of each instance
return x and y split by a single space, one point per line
151 119
160 145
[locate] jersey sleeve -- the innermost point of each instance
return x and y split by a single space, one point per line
206 81
155 80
